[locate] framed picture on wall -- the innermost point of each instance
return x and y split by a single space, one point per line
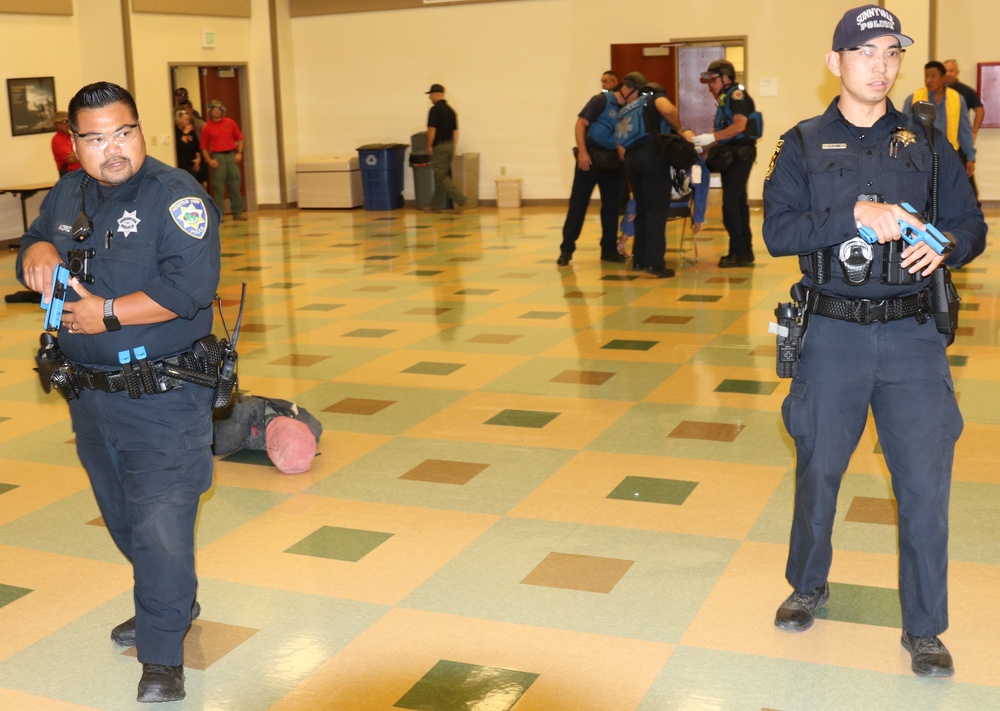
32 105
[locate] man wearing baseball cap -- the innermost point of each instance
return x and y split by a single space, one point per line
880 313
442 137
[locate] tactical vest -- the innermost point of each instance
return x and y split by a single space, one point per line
724 116
601 132
640 121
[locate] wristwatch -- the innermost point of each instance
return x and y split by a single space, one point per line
111 321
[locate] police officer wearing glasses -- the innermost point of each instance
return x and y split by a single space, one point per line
153 239
875 337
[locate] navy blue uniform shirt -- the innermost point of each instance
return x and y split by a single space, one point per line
164 242
809 208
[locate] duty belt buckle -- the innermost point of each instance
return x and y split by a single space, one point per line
872 311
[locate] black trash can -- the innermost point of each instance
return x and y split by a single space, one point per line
423 179
382 175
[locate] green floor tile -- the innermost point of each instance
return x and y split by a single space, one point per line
454 686
10 593
863 605
624 345
522 418
700 298
653 490
431 368
544 315
746 387
958 361
4 488
348 544
369 333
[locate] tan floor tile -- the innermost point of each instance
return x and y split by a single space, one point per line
477 370
578 493
696 385
422 541
50 605
578 423
381 665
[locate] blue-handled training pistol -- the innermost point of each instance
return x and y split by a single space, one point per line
54 307
936 239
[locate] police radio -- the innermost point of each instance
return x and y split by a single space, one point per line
228 379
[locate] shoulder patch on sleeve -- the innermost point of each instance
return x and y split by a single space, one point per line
191 216
774 158
738 94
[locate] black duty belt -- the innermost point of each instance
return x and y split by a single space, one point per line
865 311
231 150
162 375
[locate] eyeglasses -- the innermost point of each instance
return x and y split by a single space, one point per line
892 56
98 141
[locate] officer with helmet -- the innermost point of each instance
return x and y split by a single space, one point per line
648 113
736 130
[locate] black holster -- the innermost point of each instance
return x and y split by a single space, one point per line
944 302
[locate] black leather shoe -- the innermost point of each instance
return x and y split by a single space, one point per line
124 634
929 656
564 259
636 266
661 273
614 258
731 260
161 683
797 612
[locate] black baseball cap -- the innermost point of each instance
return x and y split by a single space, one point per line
865 23
435 89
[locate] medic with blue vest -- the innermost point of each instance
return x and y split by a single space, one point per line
736 129
597 164
647 114
873 337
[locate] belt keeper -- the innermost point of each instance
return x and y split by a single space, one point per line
131 381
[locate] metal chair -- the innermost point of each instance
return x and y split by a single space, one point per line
682 210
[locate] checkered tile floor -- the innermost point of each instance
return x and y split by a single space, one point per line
538 489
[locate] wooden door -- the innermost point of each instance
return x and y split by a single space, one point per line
657 65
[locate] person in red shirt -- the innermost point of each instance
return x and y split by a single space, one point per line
62 145
222 146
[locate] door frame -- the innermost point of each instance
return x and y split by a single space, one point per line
241 69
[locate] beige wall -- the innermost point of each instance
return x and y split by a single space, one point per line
517 73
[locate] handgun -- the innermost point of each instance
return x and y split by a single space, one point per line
54 307
937 240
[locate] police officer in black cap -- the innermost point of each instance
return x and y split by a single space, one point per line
876 335
736 129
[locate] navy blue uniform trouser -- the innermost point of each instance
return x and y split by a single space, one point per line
611 186
735 208
149 461
901 371
650 180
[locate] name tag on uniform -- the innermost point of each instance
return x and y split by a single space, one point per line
834 146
